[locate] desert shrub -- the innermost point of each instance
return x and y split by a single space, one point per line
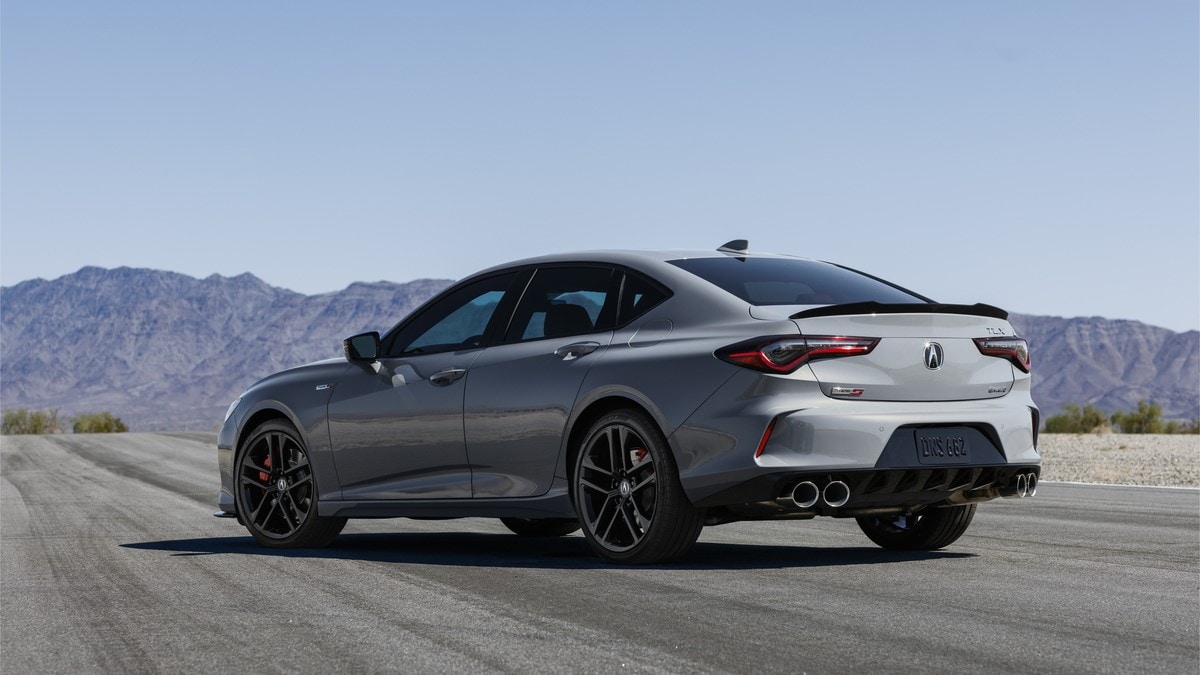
98 423
1192 427
22 421
1147 419
1076 420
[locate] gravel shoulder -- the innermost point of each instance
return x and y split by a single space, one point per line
1125 459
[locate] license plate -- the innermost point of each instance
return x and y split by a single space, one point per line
942 446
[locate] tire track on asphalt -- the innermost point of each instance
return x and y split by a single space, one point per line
111 561
74 520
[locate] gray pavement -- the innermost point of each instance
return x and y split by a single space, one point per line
110 561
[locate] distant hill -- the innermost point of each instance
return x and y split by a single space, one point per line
1112 364
165 351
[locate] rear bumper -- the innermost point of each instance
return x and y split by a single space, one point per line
814 435
871 491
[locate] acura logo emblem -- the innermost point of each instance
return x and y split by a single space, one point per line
933 356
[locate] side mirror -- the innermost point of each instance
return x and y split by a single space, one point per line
362 347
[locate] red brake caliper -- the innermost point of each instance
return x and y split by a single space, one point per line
265 477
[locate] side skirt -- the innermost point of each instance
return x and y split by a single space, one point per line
554 504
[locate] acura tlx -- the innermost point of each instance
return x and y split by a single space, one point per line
640 396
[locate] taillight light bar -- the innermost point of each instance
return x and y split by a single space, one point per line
785 353
1014 349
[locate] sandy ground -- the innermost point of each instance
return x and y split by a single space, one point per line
1129 459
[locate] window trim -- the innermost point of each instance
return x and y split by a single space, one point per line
507 308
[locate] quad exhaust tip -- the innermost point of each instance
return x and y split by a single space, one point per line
1021 485
806 494
836 493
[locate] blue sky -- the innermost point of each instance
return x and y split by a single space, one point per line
1040 156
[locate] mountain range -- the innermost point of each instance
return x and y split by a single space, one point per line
166 351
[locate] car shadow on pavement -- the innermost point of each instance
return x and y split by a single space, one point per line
466 549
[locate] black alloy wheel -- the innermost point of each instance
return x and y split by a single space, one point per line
627 493
277 492
926 530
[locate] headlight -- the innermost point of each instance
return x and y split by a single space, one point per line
232 406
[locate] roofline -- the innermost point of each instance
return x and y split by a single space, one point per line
631 257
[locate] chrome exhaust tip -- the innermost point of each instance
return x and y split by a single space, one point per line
836 494
1031 481
806 494
1014 488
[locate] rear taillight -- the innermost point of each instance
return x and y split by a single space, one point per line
1014 349
784 354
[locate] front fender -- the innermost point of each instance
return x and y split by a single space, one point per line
301 396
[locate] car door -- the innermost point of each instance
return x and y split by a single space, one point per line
521 390
396 424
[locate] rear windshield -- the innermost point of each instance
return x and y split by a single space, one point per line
783 281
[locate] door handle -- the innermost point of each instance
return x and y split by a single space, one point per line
446 376
576 350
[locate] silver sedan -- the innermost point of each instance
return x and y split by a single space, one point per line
641 396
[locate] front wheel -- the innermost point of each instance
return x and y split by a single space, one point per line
627 493
927 530
277 490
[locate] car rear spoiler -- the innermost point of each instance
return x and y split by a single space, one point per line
872 307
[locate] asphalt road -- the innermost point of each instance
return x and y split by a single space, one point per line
110 561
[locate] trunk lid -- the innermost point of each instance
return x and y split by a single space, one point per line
921 355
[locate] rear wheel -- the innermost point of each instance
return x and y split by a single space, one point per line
277 490
627 493
925 531
541 527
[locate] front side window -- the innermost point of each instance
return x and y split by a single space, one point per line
456 322
563 301
792 281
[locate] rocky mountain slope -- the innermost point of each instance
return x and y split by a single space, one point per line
166 351
1112 364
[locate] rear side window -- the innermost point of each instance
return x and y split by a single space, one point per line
638 296
783 281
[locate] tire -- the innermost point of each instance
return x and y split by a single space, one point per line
276 490
928 530
626 490
541 527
